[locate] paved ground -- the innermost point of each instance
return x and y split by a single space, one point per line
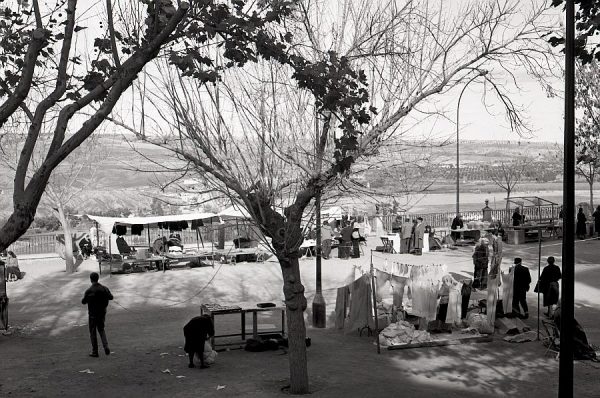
48 350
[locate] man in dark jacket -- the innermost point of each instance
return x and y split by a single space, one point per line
196 331
96 298
522 280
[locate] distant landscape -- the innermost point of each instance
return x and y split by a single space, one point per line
118 183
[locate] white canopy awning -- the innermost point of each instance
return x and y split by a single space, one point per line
234 212
106 224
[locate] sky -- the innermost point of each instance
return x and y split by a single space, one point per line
545 115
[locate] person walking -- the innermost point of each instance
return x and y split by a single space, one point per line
326 235
522 280
548 284
97 297
581 227
596 216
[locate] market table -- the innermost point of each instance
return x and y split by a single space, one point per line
526 233
242 309
474 234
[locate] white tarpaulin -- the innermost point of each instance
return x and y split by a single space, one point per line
234 212
106 224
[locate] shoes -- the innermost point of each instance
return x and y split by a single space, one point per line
94 354
191 365
107 350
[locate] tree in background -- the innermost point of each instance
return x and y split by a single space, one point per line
156 207
507 175
276 135
587 133
46 88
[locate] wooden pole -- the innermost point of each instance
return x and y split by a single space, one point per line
375 305
149 239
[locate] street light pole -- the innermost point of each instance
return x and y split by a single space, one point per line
481 73
318 305
565 367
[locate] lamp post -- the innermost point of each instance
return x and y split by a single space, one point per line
565 367
480 73
318 305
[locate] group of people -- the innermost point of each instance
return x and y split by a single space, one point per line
97 297
547 284
349 239
581 230
412 234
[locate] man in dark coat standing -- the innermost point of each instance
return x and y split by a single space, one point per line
97 298
522 280
196 331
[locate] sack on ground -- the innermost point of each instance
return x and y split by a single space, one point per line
209 354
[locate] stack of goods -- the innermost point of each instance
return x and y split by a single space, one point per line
402 332
218 307
481 323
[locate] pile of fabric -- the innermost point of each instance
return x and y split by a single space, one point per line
481 323
402 332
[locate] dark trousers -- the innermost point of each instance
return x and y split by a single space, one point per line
442 312
480 276
355 248
96 323
326 248
520 298
464 308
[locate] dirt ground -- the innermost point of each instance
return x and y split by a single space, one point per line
46 351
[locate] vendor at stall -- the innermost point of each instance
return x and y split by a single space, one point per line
517 218
457 223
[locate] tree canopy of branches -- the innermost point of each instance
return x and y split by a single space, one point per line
587 25
46 87
587 133
507 175
277 133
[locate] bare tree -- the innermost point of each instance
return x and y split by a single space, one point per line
274 143
45 81
507 175
587 138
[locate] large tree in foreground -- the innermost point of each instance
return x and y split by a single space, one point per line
275 136
62 93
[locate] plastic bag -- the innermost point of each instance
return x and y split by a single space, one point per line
209 354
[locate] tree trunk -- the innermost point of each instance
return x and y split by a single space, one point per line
296 304
17 224
591 194
508 215
69 260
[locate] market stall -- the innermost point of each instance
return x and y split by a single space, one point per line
533 226
417 314
151 255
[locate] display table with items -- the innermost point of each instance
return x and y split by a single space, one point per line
532 232
214 310
142 261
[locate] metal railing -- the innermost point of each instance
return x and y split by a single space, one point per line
47 242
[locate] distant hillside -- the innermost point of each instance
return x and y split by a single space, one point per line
119 183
